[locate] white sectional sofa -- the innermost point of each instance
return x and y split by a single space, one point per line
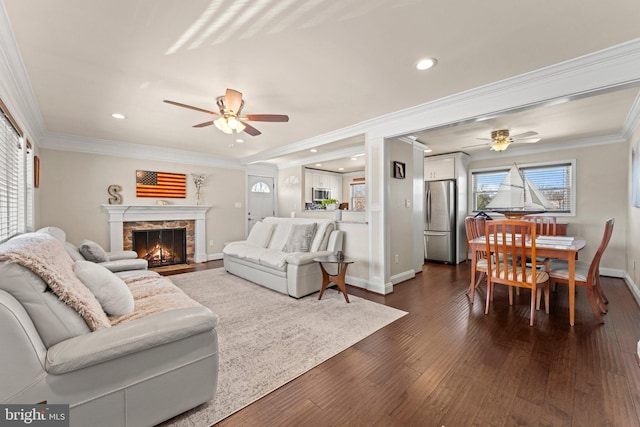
279 252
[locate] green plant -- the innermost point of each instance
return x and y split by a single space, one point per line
326 202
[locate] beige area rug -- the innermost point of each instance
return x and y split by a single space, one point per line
267 339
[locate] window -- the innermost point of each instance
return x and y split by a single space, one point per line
16 185
555 180
260 187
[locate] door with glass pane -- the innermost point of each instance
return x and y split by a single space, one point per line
260 200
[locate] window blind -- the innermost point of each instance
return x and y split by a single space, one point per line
10 186
554 180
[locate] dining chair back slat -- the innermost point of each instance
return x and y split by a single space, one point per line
508 244
545 225
474 227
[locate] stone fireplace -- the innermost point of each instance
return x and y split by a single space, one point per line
124 219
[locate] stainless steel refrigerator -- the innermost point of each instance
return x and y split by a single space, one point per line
440 221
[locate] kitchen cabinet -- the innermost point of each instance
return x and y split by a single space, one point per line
314 179
335 184
320 180
439 168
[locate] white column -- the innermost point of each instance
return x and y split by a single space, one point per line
116 237
200 252
377 178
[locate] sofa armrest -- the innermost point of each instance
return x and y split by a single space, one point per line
335 241
116 255
135 336
301 258
125 265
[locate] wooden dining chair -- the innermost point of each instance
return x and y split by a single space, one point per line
587 274
475 227
509 242
545 225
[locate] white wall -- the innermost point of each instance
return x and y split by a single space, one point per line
73 188
401 215
290 191
601 193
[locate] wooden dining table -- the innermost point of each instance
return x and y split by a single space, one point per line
568 252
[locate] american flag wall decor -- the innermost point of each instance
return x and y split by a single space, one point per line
161 184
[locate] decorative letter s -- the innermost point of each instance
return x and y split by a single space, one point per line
114 191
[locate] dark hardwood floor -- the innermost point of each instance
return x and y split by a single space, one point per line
447 364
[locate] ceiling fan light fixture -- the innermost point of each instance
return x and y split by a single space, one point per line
500 146
233 122
222 124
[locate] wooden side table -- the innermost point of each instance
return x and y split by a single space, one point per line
338 279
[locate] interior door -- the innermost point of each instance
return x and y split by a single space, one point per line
260 200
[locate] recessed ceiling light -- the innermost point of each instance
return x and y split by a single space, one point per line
428 150
354 158
239 141
118 116
425 64
318 164
340 169
313 150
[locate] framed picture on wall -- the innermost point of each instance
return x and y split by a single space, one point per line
36 172
398 170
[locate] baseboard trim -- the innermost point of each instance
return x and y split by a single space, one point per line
214 257
401 277
631 285
359 282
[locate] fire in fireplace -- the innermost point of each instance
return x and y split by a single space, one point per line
161 247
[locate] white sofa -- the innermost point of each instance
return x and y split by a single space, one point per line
262 260
134 372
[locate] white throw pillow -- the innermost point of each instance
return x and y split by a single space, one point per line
300 238
92 251
112 293
260 234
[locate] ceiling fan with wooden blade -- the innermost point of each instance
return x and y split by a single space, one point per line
500 139
231 119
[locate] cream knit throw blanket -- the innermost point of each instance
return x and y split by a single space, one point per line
153 295
46 257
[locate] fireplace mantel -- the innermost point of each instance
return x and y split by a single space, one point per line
118 214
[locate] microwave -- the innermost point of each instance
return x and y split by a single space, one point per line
319 194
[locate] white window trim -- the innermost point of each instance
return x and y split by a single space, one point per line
573 162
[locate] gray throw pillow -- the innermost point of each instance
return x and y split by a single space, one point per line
91 251
300 238
111 292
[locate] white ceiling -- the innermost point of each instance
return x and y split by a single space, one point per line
327 64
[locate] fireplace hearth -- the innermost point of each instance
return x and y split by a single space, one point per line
161 247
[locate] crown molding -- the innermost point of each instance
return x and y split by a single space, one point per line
608 69
306 144
632 121
15 87
104 147
324 157
262 169
544 148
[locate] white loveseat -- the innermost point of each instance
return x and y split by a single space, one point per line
268 257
